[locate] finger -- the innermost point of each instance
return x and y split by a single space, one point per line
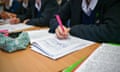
62 35
17 20
25 21
12 21
59 28
58 34
65 33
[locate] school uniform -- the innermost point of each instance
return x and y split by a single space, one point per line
101 25
17 8
63 2
14 7
40 16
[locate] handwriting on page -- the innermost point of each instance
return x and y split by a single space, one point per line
56 43
106 58
55 48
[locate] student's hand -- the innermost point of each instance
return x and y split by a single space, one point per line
4 15
25 21
7 15
14 20
11 15
60 34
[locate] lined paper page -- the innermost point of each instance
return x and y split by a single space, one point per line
54 48
105 59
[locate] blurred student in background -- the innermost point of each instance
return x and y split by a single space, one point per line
39 12
95 20
7 9
22 11
14 9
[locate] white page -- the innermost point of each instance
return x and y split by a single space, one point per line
105 59
38 34
55 48
14 27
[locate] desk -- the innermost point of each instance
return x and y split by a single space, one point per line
30 61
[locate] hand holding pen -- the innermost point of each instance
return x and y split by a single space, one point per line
61 32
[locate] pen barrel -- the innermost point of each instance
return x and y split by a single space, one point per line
60 22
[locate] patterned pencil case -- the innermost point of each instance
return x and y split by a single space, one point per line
15 41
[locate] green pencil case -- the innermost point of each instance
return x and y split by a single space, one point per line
15 41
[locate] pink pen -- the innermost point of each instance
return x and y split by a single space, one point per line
5 32
59 22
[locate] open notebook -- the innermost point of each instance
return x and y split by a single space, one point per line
104 59
50 46
14 27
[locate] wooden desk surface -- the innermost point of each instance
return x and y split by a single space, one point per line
30 61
